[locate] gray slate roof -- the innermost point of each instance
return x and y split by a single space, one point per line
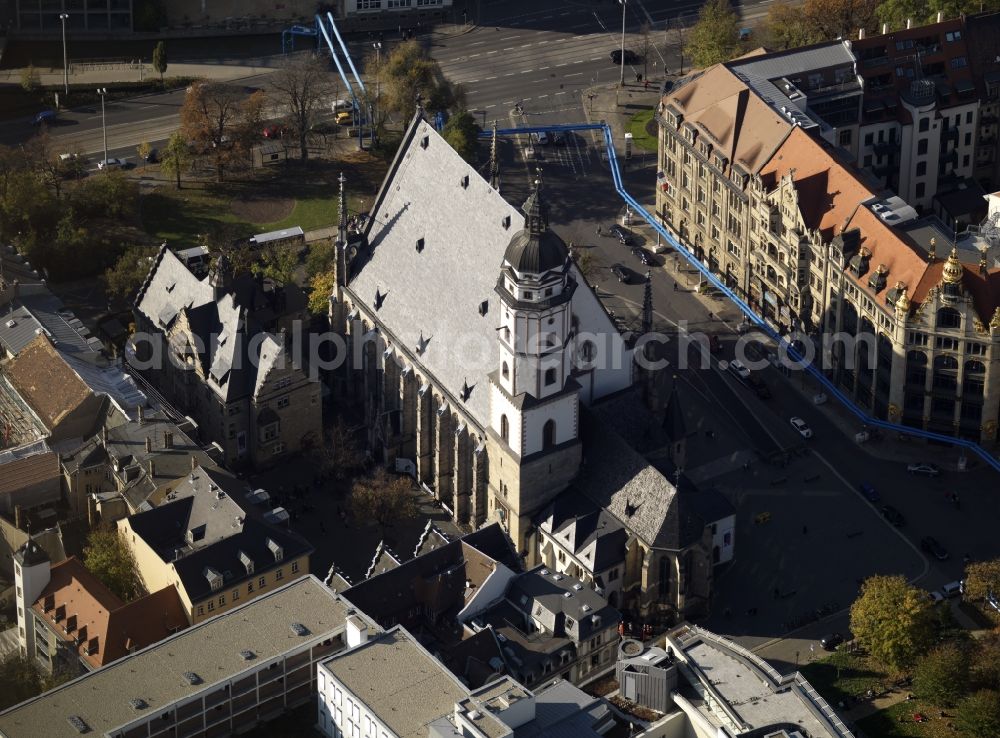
432 194
616 477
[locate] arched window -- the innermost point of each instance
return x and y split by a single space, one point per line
945 361
549 434
949 318
974 366
588 351
506 334
550 376
504 428
664 575
505 371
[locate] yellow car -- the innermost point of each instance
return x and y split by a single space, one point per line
344 118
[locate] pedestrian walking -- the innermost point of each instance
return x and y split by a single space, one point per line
599 229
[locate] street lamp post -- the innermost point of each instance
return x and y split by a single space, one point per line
621 81
378 75
102 91
63 17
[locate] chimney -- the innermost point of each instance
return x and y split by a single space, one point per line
194 462
168 440
142 414
861 34
152 469
885 28
104 436
149 444
18 517
940 16
909 23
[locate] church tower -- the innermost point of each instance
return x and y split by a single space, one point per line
534 446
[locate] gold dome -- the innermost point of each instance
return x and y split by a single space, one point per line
952 272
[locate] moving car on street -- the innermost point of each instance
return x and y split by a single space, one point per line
800 425
111 163
930 545
924 468
737 367
629 57
621 273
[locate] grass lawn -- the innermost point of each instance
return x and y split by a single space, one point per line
897 722
842 675
641 137
297 194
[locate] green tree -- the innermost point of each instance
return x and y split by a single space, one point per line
785 27
982 579
320 288
408 72
19 679
462 133
320 257
278 263
112 196
716 36
893 620
942 675
978 715
142 150
212 116
896 12
160 59
830 19
109 558
383 499
986 661
175 157
125 278
29 78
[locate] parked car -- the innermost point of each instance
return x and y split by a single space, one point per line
152 156
644 257
936 596
737 367
622 273
894 516
110 163
924 468
800 425
541 138
831 641
953 589
935 549
622 234
629 56
759 388
344 118
273 131
338 106
870 493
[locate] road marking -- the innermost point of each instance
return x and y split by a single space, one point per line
490 106
474 56
474 92
595 58
509 74
561 93
488 78
527 71
541 96
493 52
477 43
579 25
541 68
563 64
508 48
507 102
579 61
508 38
470 81
575 74
524 46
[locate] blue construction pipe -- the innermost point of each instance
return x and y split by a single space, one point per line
756 319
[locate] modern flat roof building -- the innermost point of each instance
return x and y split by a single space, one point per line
220 676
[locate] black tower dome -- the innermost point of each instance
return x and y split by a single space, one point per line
535 249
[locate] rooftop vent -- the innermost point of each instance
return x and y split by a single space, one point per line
278 551
138 703
505 222
77 722
577 586
484 307
420 245
191 678
425 141
465 182
567 595
248 655
11 323
586 608
299 629
544 572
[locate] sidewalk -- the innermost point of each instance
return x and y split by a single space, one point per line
136 73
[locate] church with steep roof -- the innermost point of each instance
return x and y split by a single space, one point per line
484 363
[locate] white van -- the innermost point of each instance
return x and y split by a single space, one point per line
339 106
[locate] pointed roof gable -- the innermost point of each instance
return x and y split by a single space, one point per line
828 190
